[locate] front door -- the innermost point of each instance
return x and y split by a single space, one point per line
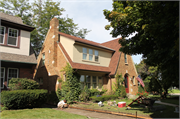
126 84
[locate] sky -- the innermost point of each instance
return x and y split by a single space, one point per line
89 14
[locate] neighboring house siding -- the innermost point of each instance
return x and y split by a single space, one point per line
23 47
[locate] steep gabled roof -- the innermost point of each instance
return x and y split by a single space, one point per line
76 39
112 45
14 21
115 58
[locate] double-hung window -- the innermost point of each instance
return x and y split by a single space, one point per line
2 76
84 53
96 55
12 73
134 80
100 82
12 36
125 58
90 54
94 82
2 34
82 81
88 81
43 59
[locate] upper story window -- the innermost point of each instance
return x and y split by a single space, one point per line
43 59
2 34
125 58
12 36
96 56
85 53
90 54
9 37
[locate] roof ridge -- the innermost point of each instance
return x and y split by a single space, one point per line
111 40
10 15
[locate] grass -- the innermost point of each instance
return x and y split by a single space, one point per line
174 91
39 113
141 111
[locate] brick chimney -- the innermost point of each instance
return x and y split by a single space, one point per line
54 29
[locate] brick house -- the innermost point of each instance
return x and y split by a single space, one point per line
17 56
97 63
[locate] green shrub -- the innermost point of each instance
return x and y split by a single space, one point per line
58 93
103 98
19 99
85 94
70 89
140 89
52 97
23 83
94 92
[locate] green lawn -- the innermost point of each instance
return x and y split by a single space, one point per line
174 91
38 113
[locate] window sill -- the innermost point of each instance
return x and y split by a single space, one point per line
91 61
126 63
9 45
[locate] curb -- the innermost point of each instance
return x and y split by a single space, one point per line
108 112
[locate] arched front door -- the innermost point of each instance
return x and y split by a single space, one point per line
126 83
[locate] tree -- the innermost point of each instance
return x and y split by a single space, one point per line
156 28
38 15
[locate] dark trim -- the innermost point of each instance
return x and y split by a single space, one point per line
6 38
93 70
94 45
18 62
16 25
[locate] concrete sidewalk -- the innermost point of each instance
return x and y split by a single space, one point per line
164 103
90 114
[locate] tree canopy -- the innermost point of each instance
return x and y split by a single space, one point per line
38 14
156 28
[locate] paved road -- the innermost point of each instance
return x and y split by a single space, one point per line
90 114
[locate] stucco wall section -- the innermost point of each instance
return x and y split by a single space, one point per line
104 57
68 45
24 45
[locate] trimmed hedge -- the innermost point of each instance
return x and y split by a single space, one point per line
103 98
23 83
19 99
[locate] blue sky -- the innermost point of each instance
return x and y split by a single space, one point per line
89 14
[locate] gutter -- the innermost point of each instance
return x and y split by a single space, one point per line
18 62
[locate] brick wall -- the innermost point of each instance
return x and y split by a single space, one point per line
128 69
54 59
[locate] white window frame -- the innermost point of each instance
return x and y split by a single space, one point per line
3 76
96 55
14 77
4 34
84 53
90 55
13 37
